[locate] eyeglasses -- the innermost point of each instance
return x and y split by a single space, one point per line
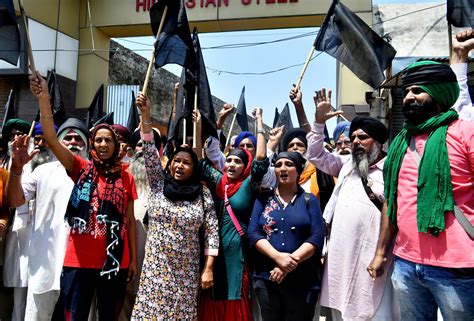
343 142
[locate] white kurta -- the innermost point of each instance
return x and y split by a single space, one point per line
51 187
346 284
17 242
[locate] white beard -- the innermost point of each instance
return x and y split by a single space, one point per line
138 170
362 161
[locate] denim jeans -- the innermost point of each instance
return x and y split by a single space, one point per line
421 289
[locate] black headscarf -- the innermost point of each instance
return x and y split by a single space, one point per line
187 190
292 134
240 154
296 158
373 127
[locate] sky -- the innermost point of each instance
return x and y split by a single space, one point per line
264 90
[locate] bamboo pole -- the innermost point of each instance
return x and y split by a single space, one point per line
450 41
195 108
152 59
31 59
230 131
90 25
184 131
300 78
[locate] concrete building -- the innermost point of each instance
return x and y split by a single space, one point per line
73 37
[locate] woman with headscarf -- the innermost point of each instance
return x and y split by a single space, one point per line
178 206
101 252
311 179
235 191
286 229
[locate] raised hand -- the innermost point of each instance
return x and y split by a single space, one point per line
275 135
226 110
257 112
20 156
197 117
296 95
38 86
324 110
463 43
144 104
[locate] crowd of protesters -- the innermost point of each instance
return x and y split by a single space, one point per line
108 224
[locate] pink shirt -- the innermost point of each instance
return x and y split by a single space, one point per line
453 247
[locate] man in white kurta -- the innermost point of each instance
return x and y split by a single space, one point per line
50 187
355 220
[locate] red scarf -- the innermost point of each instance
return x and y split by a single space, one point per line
233 185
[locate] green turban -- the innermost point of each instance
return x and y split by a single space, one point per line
437 79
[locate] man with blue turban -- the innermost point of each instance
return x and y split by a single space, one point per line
341 138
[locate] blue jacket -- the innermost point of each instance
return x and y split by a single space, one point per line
286 230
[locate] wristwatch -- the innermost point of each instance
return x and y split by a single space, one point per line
261 131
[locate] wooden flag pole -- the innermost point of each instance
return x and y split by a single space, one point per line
184 131
30 51
152 59
300 78
230 131
195 108
30 54
450 41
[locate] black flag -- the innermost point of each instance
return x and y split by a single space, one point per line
241 113
285 118
132 122
57 104
95 110
184 107
205 104
350 40
174 44
9 33
276 117
106 119
461 13
9 111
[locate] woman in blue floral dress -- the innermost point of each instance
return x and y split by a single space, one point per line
178 206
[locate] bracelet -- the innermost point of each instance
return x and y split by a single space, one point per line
260 131
146 123
304 124
16 175
46 116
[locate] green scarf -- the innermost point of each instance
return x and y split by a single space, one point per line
435 193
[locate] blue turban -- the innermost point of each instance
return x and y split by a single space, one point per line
244 135
341 128
38 130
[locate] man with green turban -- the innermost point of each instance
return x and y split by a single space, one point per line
11 129
428 171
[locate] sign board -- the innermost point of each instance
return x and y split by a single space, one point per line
121 18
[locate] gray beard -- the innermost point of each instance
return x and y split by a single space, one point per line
138 170
362 161
44 156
